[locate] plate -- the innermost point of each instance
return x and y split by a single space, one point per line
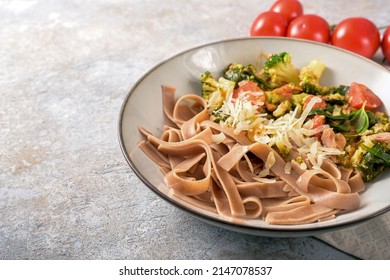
142 107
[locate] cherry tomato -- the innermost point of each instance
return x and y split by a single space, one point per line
290 9
254 93
268 24
386 43
357 34
359 94
310 27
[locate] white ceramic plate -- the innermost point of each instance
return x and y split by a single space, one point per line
142 107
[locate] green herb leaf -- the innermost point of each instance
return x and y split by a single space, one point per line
360 120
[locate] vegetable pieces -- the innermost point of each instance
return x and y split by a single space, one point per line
279 70
371 161
267 103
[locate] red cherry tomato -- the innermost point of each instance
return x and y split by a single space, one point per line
358 94
290 9
357 34
268 24
254 93
386 43
247 86
310 27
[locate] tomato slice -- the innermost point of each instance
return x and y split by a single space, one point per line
252 92
250 87
360 94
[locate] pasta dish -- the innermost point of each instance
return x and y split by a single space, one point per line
271 144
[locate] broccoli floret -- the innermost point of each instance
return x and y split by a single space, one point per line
278 70
209 85
310 76
215 92
238 72
299 99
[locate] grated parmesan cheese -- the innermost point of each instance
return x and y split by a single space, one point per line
287 168
270 160
264 180
263 173
288 131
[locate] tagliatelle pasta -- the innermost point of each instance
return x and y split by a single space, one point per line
220 170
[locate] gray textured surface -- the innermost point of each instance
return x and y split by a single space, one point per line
66 191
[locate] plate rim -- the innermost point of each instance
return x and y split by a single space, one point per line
250 229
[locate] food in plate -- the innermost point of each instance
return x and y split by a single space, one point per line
271 144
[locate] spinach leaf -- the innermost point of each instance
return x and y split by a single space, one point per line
360 120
